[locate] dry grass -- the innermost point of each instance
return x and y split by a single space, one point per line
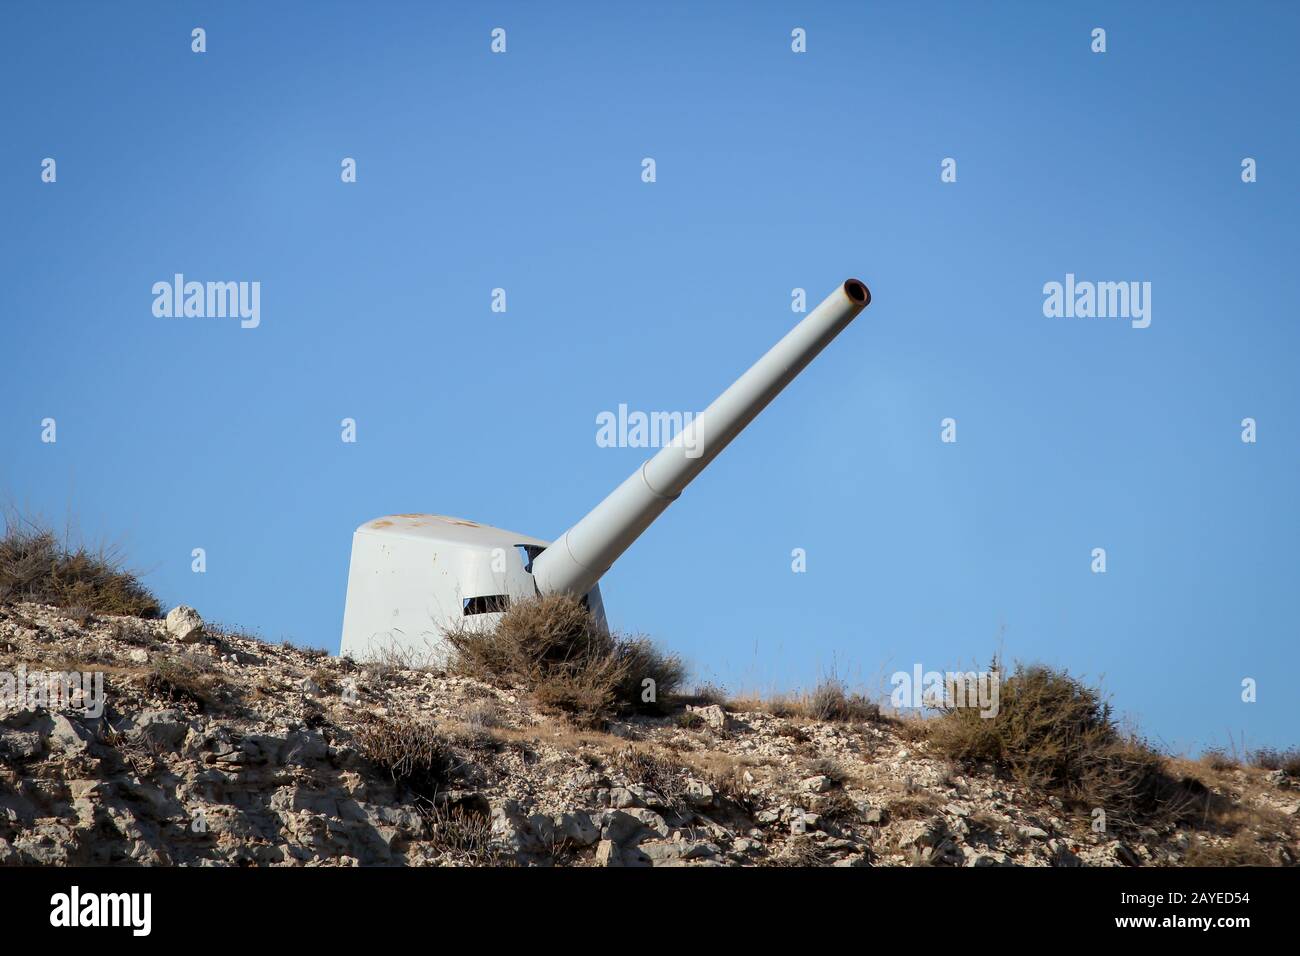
393 658
827 767
138 752
800 852
912 728
1053 733
835 805
463 836
183 679
1242 850
689 720
411 752
325 679
917 806
36 566
829 701
1218 759
478 727
1288 761
572 665
704 695
652 769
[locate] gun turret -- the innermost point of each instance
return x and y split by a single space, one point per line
414 575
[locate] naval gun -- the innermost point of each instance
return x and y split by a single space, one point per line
413 576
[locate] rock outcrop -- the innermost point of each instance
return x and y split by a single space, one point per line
214 748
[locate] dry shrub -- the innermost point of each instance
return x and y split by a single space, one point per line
836 805
127 631
642 661
725 773
1241 850
325 679
830 701
918 806
1288 761
912 728
183 679
802 851
1051 732
556 648
705 694
478 730
827 767
587 694
689 720
532 639
1218 759
36 566
653 770
780 705
482 715
393 658
463 836
410 751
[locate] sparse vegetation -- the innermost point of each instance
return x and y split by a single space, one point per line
829 768
325 679
482 715
464 836
477 731
689 720
137 751
1218 759
573 666
468 772
830 700
799 852
181 679
36 566
389 659
652 770
1288 761
1242 850
706 694
835 805
1054 733
915 806
410 751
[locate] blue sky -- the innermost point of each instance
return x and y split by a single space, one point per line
775 170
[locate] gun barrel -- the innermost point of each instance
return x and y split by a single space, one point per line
575 561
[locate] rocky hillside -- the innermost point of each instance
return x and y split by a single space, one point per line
215 748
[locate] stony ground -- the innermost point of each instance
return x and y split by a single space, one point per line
219 749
